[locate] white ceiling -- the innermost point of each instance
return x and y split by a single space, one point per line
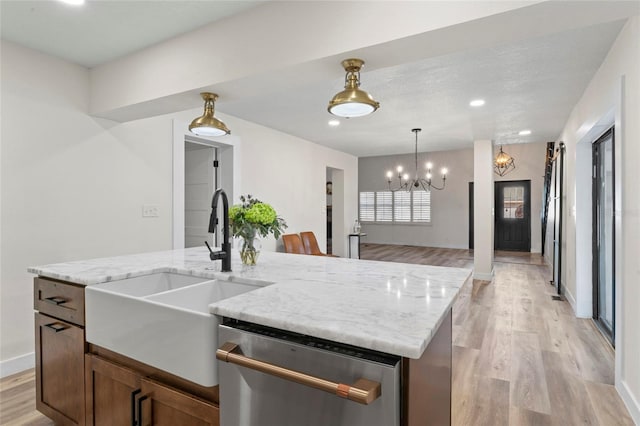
528 84
531 84
100 31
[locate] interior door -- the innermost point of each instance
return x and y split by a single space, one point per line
199 179
513 215
603 235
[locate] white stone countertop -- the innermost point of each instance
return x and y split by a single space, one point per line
384 306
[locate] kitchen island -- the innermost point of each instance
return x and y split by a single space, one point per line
392 308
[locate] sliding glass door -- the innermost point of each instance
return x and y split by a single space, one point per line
604 235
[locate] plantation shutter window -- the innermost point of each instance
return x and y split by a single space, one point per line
367 206
384 206
421 206
399 207
402 206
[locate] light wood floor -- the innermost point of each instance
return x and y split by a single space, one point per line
519 357
18 401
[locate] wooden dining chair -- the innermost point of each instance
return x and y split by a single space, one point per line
292 244
310 244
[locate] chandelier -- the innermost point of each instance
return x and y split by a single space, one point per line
416 182
503 163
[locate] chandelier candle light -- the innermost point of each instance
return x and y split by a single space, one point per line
416 182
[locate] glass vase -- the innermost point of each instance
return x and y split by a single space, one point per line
250 250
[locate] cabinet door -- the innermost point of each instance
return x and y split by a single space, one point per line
59 370
111 392
164 406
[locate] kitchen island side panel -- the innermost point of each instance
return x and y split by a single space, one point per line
427 381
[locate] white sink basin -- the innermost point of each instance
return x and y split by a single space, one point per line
162 320
150 284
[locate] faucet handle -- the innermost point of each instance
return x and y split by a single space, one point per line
208 246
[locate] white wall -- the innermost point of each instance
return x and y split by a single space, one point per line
290 174
450 208
72 187
616 86
75 189
449 225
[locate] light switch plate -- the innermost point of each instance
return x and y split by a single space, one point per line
150 210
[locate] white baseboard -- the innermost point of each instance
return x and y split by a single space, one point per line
629 400
483 276
570 299
17 364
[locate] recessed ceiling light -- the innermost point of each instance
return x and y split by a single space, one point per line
334 123
524 132
476 102
73 2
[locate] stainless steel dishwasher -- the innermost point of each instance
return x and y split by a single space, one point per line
270 377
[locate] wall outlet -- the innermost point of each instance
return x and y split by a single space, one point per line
150 210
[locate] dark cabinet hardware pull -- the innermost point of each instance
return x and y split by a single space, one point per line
133 407
56 327
142 398
55 300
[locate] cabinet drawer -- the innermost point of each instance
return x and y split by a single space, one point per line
59 299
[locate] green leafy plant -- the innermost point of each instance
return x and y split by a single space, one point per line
253 217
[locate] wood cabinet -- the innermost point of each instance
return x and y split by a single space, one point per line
117 395
60 347
78 383
166 406
111 392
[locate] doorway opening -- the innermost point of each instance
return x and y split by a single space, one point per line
329 194
603 222
200 181
194 180
336 224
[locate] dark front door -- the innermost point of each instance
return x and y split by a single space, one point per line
513 215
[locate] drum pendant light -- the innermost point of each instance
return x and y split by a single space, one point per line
207 124
352 101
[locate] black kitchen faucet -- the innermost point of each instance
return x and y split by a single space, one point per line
225 253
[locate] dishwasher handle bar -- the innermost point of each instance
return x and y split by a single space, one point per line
363 391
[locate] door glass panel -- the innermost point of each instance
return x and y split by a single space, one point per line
513 202
605 231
